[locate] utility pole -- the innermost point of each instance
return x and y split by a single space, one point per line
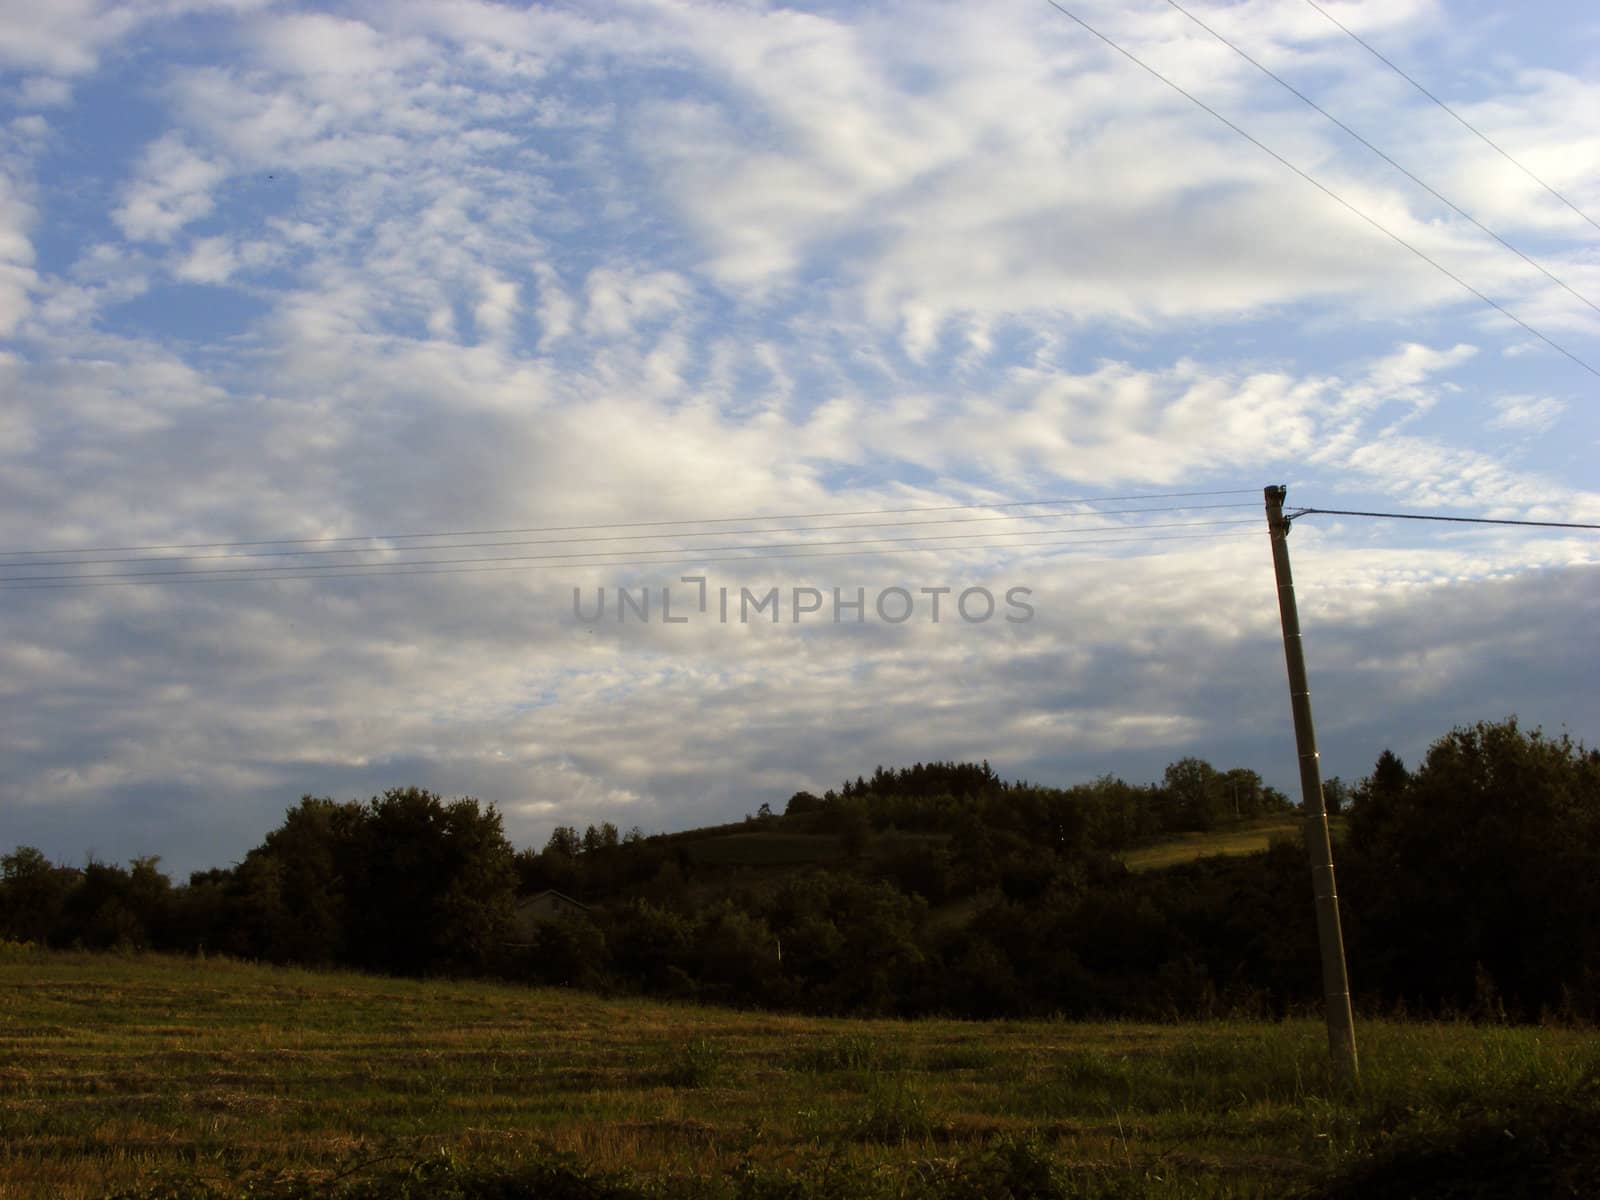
1335 981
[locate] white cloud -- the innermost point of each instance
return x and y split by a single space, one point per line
1397 375
1526 414
981 169
17 275
69 37
43 91
210 260
529 267
1430 474
64 37
1540 118
618 301
173 189
113 391
30 131
105 274
497 309
556 309
318 44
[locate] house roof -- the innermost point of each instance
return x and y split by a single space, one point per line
551 892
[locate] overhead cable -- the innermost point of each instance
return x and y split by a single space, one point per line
625 537
1329 192
862 512
1423 184
1485 138
675 553
1345 512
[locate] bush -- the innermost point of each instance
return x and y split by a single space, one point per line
896 1112
1545 1153
695 1064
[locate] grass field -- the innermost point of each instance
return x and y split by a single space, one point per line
1251 837
115 1070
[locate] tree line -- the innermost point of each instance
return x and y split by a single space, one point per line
1469 885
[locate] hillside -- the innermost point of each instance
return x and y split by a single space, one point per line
785 843
122 1070
1227 840
933 890
944 810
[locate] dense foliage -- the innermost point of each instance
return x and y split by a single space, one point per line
406 883
1469 886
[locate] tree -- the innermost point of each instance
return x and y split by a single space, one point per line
1388 779
32 894
650 946
1483 864
736 957
570 952
802 802
150 897
1240 794
290 898
113 907
564 840
1335 795
1194 793
853 824
437 884
602 838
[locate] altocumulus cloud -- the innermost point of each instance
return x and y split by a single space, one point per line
463 266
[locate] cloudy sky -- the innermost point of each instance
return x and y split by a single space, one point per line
708 279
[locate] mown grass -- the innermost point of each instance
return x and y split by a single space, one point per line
1249 837
118 1070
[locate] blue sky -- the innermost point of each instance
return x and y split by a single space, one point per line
272 271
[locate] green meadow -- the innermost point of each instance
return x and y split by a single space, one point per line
1246 837
163 1076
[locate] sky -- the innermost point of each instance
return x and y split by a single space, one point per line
719 282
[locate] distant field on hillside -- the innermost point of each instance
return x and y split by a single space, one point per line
114 1068
785 848
1251 837
782 847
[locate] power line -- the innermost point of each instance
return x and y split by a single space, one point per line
1434 192
1345 512
566 558
456 533
402 569
1322 187
1485 138
626 537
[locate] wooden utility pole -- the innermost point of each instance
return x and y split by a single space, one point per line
1335 981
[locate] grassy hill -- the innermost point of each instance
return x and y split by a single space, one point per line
786 842
1243 837
1247 837
123 1070
793 841
782 844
